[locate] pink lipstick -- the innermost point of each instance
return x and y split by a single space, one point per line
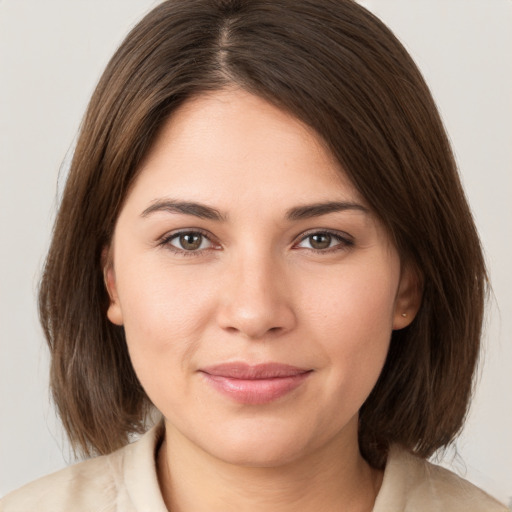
254 384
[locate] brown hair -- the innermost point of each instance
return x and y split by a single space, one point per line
336 67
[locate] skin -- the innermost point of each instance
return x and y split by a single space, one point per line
255 291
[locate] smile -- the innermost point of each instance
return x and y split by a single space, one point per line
257 384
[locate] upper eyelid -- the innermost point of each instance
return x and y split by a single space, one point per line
336 233
172 234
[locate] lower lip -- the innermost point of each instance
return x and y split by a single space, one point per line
256 391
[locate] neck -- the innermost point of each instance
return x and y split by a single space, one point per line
193 480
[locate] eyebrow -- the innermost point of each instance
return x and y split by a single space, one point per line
207 212
317 209
186 207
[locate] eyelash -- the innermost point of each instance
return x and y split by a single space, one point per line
345 242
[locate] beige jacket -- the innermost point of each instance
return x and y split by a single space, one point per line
126 481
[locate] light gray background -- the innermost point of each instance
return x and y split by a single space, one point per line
51 55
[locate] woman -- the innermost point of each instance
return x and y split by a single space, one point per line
263 237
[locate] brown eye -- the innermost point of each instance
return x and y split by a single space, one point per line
326 242
190 241
320 241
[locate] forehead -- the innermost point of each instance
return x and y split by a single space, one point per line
232 142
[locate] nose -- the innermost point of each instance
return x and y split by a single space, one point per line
255 301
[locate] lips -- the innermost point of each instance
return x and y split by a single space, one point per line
254 384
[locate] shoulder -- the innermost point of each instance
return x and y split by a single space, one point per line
69 489
415 485
119 481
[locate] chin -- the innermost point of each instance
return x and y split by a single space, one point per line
268 454
261 444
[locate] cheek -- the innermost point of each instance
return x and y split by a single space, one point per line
155 298
164 314
353 319
357 301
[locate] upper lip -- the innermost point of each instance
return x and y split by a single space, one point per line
245 371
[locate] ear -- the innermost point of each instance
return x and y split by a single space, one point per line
114 312
408 298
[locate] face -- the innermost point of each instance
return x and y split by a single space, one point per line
257 290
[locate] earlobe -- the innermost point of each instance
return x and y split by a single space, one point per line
408 298
114 312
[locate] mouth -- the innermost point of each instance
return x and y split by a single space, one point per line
254 384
